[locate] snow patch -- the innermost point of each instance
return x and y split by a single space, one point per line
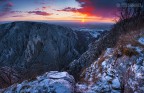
81 87
116 83
108 52
56 75
36 39
141 40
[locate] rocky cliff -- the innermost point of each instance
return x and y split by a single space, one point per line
117 70
33 48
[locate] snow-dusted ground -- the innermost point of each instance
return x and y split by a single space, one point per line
51 82
110 73
141 40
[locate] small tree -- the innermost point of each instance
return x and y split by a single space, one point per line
131 8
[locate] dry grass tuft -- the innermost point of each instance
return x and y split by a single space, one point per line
128 51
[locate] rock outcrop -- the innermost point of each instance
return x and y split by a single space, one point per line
110 74
117 70
51 82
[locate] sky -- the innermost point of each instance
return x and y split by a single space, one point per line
59 10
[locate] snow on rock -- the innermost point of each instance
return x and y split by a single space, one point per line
94 34
108 52
31 47
141 40
57 75
115 74
36 39
116 83
81 87
51 82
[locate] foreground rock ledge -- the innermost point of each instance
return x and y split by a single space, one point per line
51 82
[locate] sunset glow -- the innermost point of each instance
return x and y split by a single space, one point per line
83 18
57 10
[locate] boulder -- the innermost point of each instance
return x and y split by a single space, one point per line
50 82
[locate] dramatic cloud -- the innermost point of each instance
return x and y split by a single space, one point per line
6 7
105 8
101 8
85 10
39 13
88 10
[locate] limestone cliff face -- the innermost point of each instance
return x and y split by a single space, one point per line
36 47
32 48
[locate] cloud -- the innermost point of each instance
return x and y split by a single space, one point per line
105 8
6 7
102 8
85 10
43 8
18 16
69 9
10 4
40 13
